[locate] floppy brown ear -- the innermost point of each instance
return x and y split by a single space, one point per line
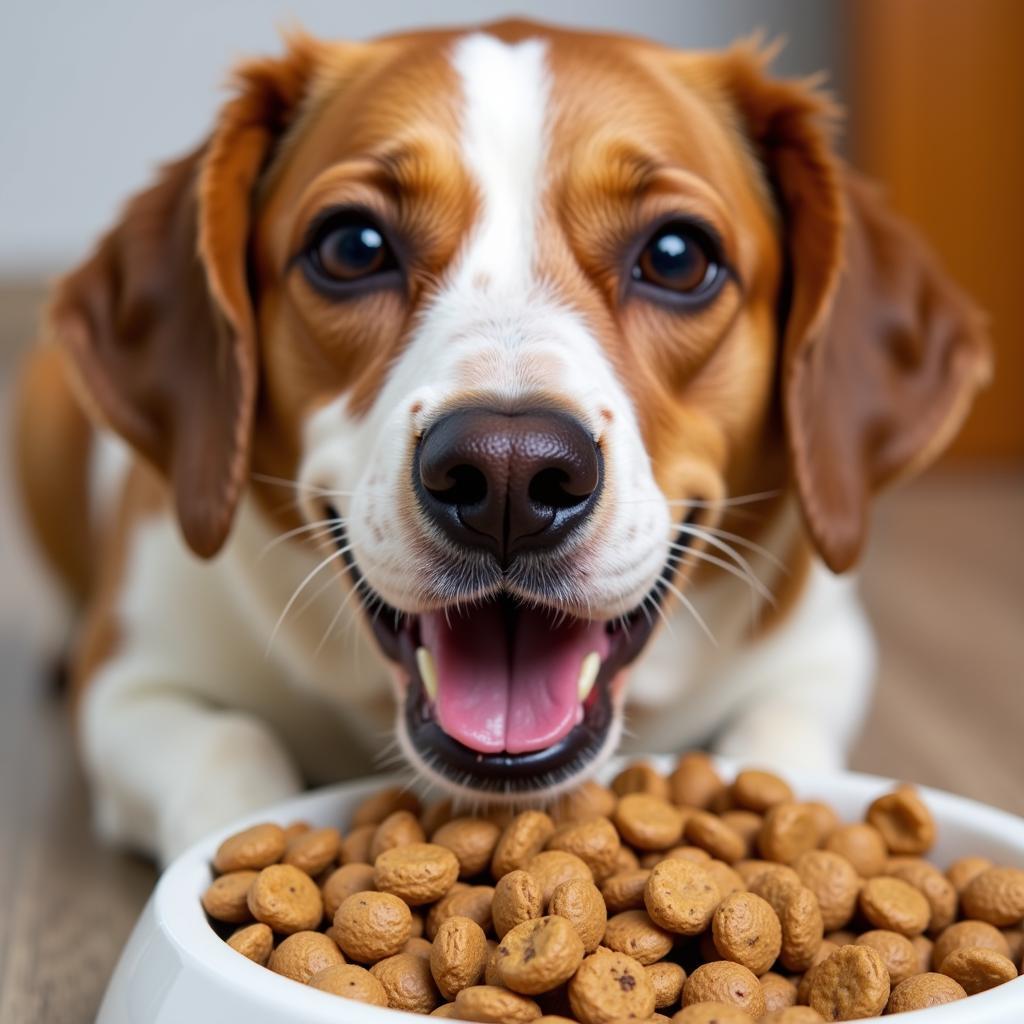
159 322
882 352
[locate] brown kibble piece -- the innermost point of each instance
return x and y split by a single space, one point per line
553 867
407 983
458 956
355 847
418 873
727 880
609 985
746 930
342 883
712 1013
667 981
968 933
681 896
634 933
436 814
580 903
906 824
640 777
932 884
524 837
977 969
589 800
372 925
792 1015
595 842
710 833
377 806
399 828
695 781
303 955
539 955
894 905
493 1005
472 901
961 871
418 946
314 850
285 898
789 829
757 791
995 896
517 898
472 840
923 947
803 989
825 818
779 992
922 991
851 984
835 882
897 952
350 982
746 824
254 941
802 929
862 845
225 898
625 890
648 822
724 982
251 850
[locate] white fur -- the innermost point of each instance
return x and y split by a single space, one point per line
193 722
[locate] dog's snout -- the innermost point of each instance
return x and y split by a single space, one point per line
507 482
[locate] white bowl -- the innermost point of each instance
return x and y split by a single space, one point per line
174 969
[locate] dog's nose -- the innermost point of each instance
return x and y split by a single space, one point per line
507 482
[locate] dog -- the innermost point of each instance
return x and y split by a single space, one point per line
494 389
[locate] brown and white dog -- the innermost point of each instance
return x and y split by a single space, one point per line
447 367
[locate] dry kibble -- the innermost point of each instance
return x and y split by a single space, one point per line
777 885
407 982
634 933
977 969
779 992
922 991
825 818
493 1005
472 840
303 955
792 1015
438 813
399 828
747 931
681 896
372 925
724 982
712 1013
803 989
553 867
727 880
961 871
355 846
923 946
377 806
968 933
746 824
524 837
254 941
342 883
626 860
539 955
640 777
1015 940
589 800
862 845
285 898
418 873
710 833
667 981
225 898
835 882
351 982
517 898
932 884
472 901
625 890
851 984
995 896
750 867
255 848
789 829
458 956
895 905
418 946
802 929
843 937
313 850
898 954
906 824
581 904
758 791
695 781
609 985
649 822
595 842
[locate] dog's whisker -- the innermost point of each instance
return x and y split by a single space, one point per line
326 527
298 485
692 609
724 546
750 545
755 583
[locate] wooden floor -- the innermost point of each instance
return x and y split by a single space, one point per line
944 580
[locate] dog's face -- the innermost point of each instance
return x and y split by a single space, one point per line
522 309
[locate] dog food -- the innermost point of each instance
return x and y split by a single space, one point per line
659 898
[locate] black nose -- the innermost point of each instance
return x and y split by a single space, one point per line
507 482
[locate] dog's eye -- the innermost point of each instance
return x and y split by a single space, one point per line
681 259
346 249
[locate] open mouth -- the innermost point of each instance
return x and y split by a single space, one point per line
507 697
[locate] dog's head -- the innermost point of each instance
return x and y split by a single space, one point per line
519 310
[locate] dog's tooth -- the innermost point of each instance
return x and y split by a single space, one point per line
428 671
589 668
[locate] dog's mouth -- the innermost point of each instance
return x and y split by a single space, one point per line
508 697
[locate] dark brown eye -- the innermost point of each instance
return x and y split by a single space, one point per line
346 250
680 259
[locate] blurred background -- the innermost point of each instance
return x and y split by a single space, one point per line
96 94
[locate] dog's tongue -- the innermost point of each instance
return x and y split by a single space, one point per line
508 680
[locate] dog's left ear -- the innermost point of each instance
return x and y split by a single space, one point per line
882 353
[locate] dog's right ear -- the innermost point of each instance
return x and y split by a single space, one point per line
159 322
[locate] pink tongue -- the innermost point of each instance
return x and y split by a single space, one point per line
514 692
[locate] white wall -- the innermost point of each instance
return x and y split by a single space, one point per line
94 93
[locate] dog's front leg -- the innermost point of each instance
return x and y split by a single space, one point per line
806 685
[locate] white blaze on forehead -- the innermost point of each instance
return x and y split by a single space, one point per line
505 98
